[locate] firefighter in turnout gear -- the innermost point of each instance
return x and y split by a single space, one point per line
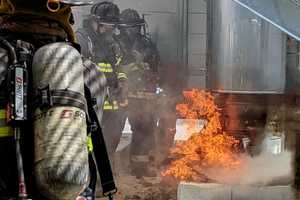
143 82
98 44
48 98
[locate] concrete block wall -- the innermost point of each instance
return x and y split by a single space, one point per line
197 41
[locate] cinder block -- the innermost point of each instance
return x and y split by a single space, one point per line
197 23
277 193
245 193
194 191
199 6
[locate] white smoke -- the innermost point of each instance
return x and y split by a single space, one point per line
265 169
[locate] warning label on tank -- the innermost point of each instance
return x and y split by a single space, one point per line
19 97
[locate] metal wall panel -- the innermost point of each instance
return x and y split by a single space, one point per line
248 53
284 14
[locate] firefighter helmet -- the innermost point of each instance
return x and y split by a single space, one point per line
54 5
131 17
76 2
105 12
57 10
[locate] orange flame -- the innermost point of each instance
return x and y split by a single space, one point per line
211 148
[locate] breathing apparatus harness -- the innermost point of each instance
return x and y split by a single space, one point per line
16 111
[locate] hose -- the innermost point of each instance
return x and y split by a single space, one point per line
11 50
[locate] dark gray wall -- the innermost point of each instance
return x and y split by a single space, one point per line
162 17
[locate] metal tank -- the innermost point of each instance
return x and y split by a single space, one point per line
247 54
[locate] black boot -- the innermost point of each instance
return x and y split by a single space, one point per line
142 169
87 194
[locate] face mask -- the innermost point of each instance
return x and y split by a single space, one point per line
116 31
106 31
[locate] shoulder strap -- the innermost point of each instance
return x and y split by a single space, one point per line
90 47
100 152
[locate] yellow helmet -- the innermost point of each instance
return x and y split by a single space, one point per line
57 10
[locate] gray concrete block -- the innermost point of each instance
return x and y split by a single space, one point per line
244 193
197 81
194 191
277 193
197 23
197 6
197 44
197 60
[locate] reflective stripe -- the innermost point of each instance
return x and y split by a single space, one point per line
2 114
119 60
141 158
104 64
5 131
122 75
106 70
109 106
105 67
89 143
142 95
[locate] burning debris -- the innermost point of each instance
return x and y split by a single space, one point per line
210 148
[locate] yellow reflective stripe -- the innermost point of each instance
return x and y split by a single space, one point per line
106 70
109 106
122 75
2 114
89 143
105 67
119 60
104 64
115 104
6 131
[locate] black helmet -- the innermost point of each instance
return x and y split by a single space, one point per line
55 5
131 17
77 2
106 12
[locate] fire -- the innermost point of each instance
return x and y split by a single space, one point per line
211 148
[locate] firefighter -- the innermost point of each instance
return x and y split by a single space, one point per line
98 44
143 82
48 102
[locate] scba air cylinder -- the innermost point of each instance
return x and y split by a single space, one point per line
60 129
